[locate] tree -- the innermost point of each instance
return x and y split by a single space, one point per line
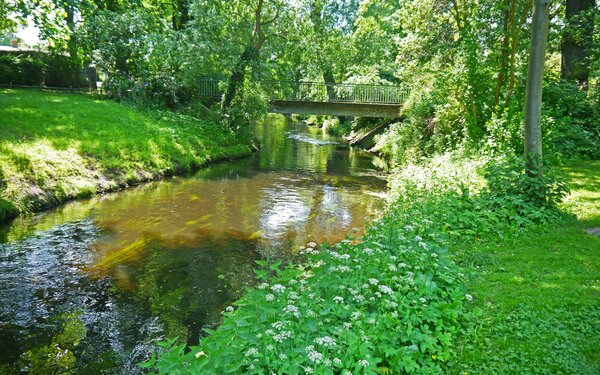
251 51
577 38
535 77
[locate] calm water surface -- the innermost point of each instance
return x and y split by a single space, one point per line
92 284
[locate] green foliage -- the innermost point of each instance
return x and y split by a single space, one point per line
571 128
23 69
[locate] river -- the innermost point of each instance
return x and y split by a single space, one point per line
91 285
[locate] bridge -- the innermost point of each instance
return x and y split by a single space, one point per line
320 98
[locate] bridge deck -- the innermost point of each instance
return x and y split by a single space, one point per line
340 99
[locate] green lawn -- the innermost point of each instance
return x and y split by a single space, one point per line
57 146
536 306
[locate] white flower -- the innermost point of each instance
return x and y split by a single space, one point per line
423 300
270 347
359 298
423 245
293 281
385 289
408 228
418 238
392 268
315 356
434 255
363 363
311 244
278 325
283 356
200 354
468 297
355 315
282 336
251 351
293 296
347 325
402 265
229 308
337 361
371 321
270 332
326 341
263 286
368 251
308 370
292 310
345 256
394 314
347 372
278 288
343 269
338 299
373 281
269 297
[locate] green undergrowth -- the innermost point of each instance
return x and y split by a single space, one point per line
536 307
57 146
391 302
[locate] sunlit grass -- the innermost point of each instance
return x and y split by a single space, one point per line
57 146
537 296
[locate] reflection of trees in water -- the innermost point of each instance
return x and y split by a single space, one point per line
188 287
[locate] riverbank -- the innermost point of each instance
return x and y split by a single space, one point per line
59 146
418 293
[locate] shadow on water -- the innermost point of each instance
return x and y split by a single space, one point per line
105 277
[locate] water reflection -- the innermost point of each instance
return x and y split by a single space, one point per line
164 258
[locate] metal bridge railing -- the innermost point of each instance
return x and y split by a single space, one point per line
319 92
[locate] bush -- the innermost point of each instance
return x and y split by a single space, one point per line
570 126
21 69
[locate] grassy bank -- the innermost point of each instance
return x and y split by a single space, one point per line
58 146
537 296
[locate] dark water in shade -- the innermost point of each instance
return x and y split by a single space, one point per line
90 286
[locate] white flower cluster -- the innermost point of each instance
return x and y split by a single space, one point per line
282 336
229 308
313 355
363 363
263 286
251 352
373 281
385 289
338 299
269 297
292 310
326 341
278 288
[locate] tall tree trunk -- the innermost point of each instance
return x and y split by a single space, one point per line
72 45
250 54
329 84
573 64
535 77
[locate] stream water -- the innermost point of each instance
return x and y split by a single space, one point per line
90 286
